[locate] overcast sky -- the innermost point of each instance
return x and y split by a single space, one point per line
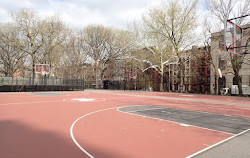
79 13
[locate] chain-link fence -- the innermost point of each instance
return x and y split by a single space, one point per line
39 84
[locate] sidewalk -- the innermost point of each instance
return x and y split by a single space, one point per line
238 147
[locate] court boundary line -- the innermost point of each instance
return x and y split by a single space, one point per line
63 100
201 151
72 130
181 124
216 144
75 101
179 99
81 117
30 102
118 109
191 110
47 92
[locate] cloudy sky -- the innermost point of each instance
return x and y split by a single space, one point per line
79 13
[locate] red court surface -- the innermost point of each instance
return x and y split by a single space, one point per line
53 124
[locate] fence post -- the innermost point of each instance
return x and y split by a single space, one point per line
77 84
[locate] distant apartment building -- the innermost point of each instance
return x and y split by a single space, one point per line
193 76
222 62
194 73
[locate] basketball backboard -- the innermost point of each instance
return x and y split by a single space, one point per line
232 38
42 69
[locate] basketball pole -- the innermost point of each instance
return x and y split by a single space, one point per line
225 38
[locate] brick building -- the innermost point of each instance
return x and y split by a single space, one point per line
194 73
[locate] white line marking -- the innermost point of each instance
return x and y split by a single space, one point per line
156 108
168 120
118 109
187 95
72 128
30 102
73 124
13 92
185 125
190 110
178 99
82 99
212 146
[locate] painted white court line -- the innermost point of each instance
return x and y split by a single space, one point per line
83 99
30 102
73 124
13 92
187 95
178 99
187 110
185 125
156 108
72 130
118 109
174 108
181 124
204 111
212 146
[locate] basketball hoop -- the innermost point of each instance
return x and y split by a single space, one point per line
43 73
232 38
42 69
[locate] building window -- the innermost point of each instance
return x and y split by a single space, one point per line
208 79
222 64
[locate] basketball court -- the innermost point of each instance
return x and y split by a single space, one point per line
98 123
111 124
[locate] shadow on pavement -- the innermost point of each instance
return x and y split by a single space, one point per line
18 140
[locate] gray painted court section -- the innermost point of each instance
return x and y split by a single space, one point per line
229 124
238 147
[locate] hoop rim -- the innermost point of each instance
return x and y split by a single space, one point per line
42 69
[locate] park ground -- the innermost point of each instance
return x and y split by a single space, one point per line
134 124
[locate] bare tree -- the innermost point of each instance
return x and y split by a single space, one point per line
207 31
55 41
31 35
10 57
75 56
104 46
155 54
223 10
170 26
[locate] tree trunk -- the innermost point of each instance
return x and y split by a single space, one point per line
33 71
97 78
162 73
239 83
162 84
240 87
215 83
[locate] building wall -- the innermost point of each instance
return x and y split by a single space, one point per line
195 72
221 59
